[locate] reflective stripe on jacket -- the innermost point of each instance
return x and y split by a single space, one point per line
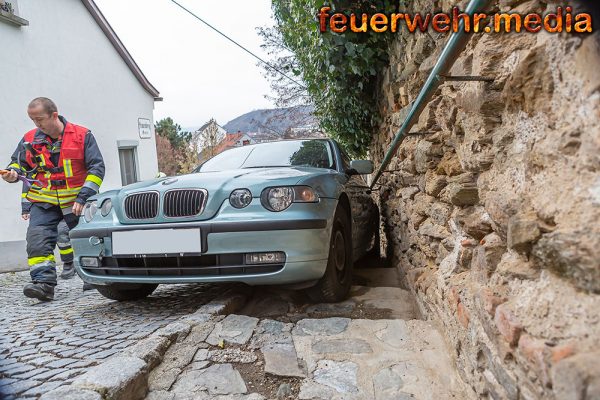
62 182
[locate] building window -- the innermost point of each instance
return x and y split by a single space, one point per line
245 143
128 161
9 12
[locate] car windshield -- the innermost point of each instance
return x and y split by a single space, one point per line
296 153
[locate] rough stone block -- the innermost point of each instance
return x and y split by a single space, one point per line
450 165
230 302
489 301
423 156
508 325
281 360
321 327
179 356
218 379
462 315
151 350
523 232
440 213
475 221
428 228
408 193
577 377
174 331
517 266
236 329
571 254
349 345
119 378
534 351
341 376
434 183
461 194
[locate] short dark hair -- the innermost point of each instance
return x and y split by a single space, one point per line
48 105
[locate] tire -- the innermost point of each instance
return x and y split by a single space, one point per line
125 292
335 284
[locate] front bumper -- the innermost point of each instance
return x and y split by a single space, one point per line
305 242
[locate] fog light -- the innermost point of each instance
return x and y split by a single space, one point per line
89 262
265 258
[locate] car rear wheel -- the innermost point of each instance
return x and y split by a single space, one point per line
125 292
334 286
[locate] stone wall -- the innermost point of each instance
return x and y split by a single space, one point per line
493 210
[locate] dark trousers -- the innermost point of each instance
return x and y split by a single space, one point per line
64 243
42 236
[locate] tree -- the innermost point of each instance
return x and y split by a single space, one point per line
173 149
167 157
338 71
210 138
188 159
287 92
167 128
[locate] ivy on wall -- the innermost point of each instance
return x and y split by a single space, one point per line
339 70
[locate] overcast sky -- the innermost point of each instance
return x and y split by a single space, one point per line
198 72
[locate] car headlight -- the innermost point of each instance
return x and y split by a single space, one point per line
106 207
89 210
277 199
240 198
280 198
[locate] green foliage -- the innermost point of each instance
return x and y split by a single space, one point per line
175 152
339 70
167 128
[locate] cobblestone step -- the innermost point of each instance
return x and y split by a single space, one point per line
222 342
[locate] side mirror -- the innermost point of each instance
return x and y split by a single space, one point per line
161 175
360 167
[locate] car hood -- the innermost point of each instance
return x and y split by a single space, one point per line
219 185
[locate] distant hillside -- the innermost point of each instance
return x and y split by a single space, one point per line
277 120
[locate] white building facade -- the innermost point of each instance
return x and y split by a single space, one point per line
67 51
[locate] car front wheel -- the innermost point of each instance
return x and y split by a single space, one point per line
125 292
334 286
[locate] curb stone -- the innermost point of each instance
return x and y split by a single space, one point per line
125 377
118 378
71 393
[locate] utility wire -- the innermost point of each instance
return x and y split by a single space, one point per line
238 45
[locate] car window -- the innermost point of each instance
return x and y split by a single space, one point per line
345 158
307 153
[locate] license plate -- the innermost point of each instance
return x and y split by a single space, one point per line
157 241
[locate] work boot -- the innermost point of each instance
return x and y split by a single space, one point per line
88 286
39 290
68 271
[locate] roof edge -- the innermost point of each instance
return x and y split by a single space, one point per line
120 47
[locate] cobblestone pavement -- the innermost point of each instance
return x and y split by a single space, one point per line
372 346
47 345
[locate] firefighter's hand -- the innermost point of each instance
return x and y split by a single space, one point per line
77 208
10 176
25 216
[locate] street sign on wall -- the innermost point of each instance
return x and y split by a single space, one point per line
145 128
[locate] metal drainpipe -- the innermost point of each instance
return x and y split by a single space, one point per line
456 44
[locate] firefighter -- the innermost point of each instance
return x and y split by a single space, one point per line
67 167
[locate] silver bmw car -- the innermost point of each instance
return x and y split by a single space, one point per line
294 212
